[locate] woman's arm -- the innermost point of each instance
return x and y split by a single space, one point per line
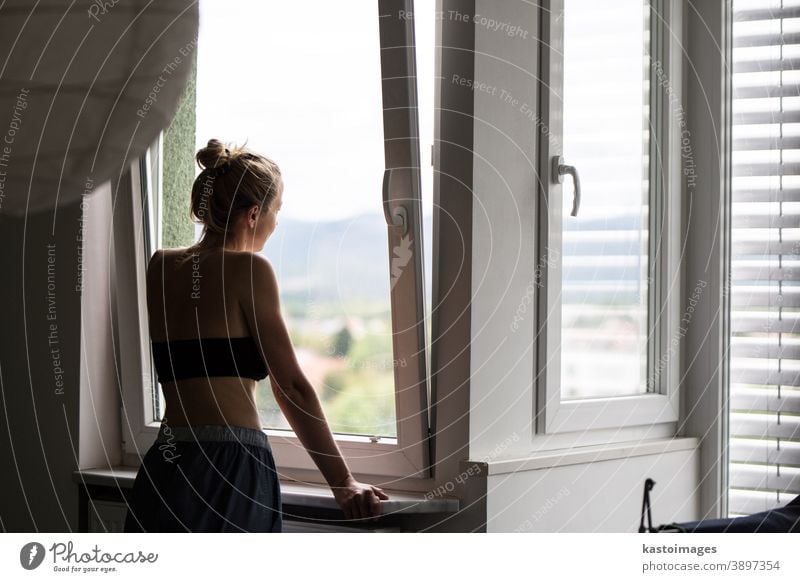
296 396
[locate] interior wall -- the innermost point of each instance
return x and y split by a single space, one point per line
575 498
100 435
39 370
704 396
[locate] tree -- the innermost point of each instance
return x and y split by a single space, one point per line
342 342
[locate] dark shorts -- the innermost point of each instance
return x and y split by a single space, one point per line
206 479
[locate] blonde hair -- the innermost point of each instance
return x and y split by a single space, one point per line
232 180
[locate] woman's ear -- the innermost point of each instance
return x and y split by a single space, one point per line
252 215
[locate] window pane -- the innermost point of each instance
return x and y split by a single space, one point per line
604 252
150 168
304 88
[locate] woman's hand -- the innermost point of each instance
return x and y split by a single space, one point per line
359 500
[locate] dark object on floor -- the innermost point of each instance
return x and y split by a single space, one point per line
784 519
648 485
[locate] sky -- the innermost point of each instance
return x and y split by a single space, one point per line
301 83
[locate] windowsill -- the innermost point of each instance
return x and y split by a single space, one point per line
296 494
589 454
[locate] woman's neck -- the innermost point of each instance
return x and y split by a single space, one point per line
213 242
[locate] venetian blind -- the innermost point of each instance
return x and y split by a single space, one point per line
765 247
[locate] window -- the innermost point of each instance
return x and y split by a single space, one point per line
338 113
140 228
607 211
136 234
152 229
764 468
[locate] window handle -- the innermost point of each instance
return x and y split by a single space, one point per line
400 215
559 169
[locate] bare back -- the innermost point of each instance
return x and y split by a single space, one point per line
202 298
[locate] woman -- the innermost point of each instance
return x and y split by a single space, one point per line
211 467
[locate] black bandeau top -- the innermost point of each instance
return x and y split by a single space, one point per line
208 358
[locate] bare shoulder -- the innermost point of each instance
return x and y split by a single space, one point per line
158 255
250 264
162 257
165 261
262 267
156 260
257 271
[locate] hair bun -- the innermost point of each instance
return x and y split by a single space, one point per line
213 155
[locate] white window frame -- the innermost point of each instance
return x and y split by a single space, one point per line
661 405
137 233
406 458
